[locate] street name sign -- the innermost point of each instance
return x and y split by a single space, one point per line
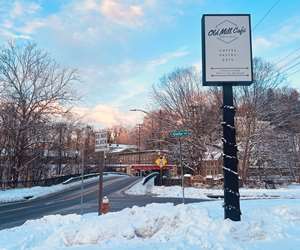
226 50
180 133
101 141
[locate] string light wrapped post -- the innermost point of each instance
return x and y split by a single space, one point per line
230 160
227 62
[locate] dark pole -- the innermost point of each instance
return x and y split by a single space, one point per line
160 129
139 142
101 167
60 149
152 133
182 174
231 181
82 173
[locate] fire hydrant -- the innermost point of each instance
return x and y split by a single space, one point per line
105 205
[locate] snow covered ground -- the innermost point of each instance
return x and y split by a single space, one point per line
266 224
19 194
292 191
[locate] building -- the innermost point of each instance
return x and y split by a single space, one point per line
127 158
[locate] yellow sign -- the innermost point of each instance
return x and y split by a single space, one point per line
161 162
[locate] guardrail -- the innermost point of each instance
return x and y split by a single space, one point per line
65 179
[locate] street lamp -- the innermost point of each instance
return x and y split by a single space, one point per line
140 110
147 113
139 131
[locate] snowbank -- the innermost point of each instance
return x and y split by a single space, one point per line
266 224
293 191
19 194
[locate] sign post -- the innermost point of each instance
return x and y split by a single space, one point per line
178 134
101 146
227 62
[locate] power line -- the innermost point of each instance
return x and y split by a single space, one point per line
287 65
267 13
293 66
287 56
293 73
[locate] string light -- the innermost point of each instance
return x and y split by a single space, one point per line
229 156
230 170
229 107
234 147
230 207
228 190
228 125
229 143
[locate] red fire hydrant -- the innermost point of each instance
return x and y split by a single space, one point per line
105 206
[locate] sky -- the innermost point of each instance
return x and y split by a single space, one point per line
122 47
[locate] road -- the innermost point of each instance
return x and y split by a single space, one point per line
68 201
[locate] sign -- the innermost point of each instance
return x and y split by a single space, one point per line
101 141
180 133
161 162
226 50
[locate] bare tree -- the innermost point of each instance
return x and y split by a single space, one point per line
35 89
252 102
185 105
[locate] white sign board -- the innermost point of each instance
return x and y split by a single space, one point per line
226 50
101 141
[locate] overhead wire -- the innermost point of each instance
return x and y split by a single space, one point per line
287 66
267 13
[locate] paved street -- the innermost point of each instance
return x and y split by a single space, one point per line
68 201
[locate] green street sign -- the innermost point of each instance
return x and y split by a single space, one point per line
180 133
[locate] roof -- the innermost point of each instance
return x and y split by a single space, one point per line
120 148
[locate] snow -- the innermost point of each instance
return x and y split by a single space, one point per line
19 194
291 192
266 224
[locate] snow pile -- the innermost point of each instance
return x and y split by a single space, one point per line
19 194
140 189
266 224
291 192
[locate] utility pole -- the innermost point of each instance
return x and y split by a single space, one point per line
160 128
152 132
139 126
182 174
60 127
82 171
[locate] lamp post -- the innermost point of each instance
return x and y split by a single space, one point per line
147 113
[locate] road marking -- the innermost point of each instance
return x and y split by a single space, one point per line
27 204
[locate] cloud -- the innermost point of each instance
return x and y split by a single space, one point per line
88 5
262 43
118 12
18 19
20 9
123 14
8 35
107 116
31 27
197 66
283 35
167 57
17 10
96 37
